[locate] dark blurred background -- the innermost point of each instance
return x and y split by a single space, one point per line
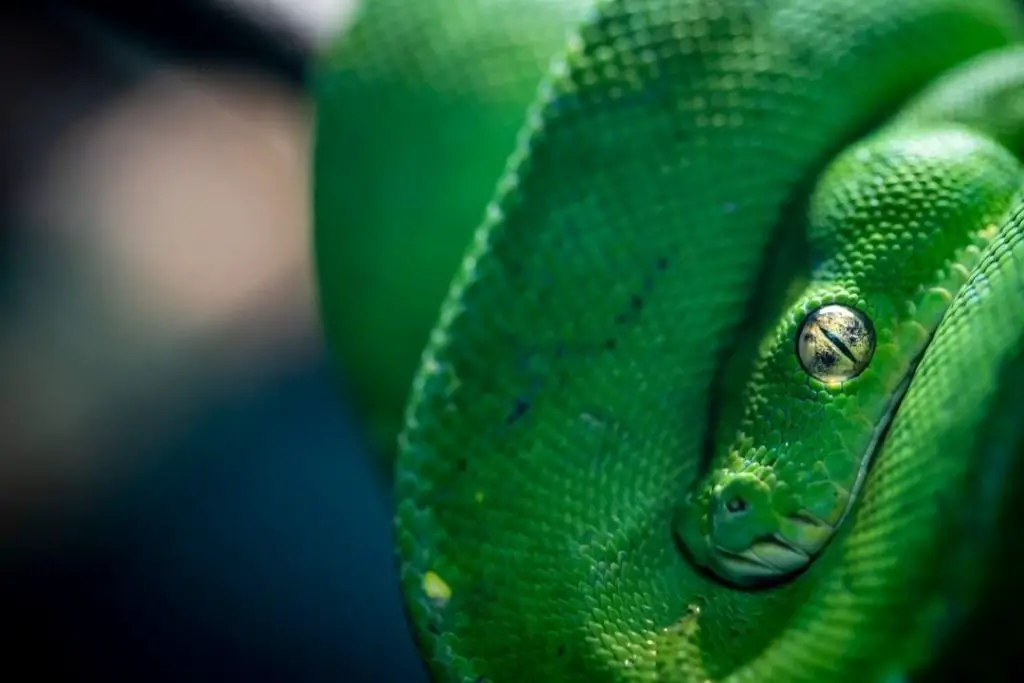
185 495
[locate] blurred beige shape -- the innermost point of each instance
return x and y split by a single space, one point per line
196 189
171 231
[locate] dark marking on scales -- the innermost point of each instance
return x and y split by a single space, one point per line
635 305
539 366
519 408
549 358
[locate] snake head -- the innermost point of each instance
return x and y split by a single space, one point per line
740 527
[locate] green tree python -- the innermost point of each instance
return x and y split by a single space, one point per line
728 386
418 104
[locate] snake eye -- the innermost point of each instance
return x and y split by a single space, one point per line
835 343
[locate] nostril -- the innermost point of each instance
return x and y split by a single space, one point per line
736 504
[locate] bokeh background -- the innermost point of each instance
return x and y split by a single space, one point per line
188 492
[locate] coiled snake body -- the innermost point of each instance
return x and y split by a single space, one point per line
728 385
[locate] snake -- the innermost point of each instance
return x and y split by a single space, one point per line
420 100
727 386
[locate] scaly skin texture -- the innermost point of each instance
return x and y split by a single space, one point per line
685 179
894 228
418 104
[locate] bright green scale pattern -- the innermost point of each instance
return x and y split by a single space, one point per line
683 192
893 229
418 105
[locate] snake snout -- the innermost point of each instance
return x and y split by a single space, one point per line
751 543
768 558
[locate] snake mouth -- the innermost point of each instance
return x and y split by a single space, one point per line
770 556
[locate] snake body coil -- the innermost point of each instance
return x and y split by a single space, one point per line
747 308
